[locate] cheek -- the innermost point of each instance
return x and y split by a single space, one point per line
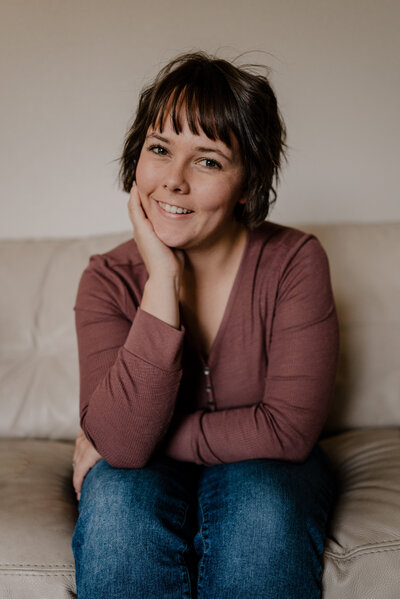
220 198
146 174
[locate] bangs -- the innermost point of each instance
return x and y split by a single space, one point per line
203 98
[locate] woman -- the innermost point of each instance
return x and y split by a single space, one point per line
208 350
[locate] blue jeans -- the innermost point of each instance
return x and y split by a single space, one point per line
177 530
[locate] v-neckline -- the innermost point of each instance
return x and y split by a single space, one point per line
207 360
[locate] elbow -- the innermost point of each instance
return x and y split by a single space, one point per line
128 458
119 456
300 455
287 438
118 449
296 450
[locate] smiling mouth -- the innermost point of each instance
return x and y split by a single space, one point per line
174 209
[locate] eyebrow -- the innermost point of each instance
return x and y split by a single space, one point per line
197 148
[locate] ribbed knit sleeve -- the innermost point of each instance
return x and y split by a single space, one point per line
302 351
128 384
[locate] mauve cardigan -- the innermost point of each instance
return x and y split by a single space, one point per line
263 391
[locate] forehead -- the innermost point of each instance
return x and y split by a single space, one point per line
192 109
171 125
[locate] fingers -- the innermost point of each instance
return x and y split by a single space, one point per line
82 467
85 457
79 475
135 207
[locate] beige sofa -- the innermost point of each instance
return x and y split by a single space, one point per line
39 413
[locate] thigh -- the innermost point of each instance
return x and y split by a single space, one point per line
134 532
262 528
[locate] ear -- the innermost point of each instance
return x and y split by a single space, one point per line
243 193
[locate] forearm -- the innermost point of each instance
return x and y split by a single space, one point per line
285 425
161 299
129 388
248 433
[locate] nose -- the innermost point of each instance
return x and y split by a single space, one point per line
176 179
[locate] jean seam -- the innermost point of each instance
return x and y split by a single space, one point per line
185 574
204 538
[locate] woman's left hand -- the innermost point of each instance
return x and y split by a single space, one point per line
85 457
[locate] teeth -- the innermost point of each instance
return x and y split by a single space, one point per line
174 209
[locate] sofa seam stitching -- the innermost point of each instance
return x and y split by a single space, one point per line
7 565
34 573
359 552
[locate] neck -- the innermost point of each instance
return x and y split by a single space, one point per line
205 262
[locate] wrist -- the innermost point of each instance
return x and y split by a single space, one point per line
164 282
161 299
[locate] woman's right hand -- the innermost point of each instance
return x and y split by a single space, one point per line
159 259
164 266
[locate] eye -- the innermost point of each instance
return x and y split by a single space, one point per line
157 149
210 163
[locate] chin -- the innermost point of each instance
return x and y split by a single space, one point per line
170 238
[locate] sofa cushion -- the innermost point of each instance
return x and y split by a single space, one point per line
362 556
37 517
39 373
364 261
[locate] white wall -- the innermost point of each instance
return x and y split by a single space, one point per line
71 71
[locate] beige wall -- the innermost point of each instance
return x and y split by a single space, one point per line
71 71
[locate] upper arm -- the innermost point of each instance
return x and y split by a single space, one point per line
101 325
302 348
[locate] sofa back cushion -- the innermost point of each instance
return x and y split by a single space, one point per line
39 373
365 271
39 379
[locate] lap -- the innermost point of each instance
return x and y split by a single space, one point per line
210 526
254 487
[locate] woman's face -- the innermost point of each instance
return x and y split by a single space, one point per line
189 186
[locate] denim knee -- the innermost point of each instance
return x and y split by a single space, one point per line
262 529
111 529
129 524
253 522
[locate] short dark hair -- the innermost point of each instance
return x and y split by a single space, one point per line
222 99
